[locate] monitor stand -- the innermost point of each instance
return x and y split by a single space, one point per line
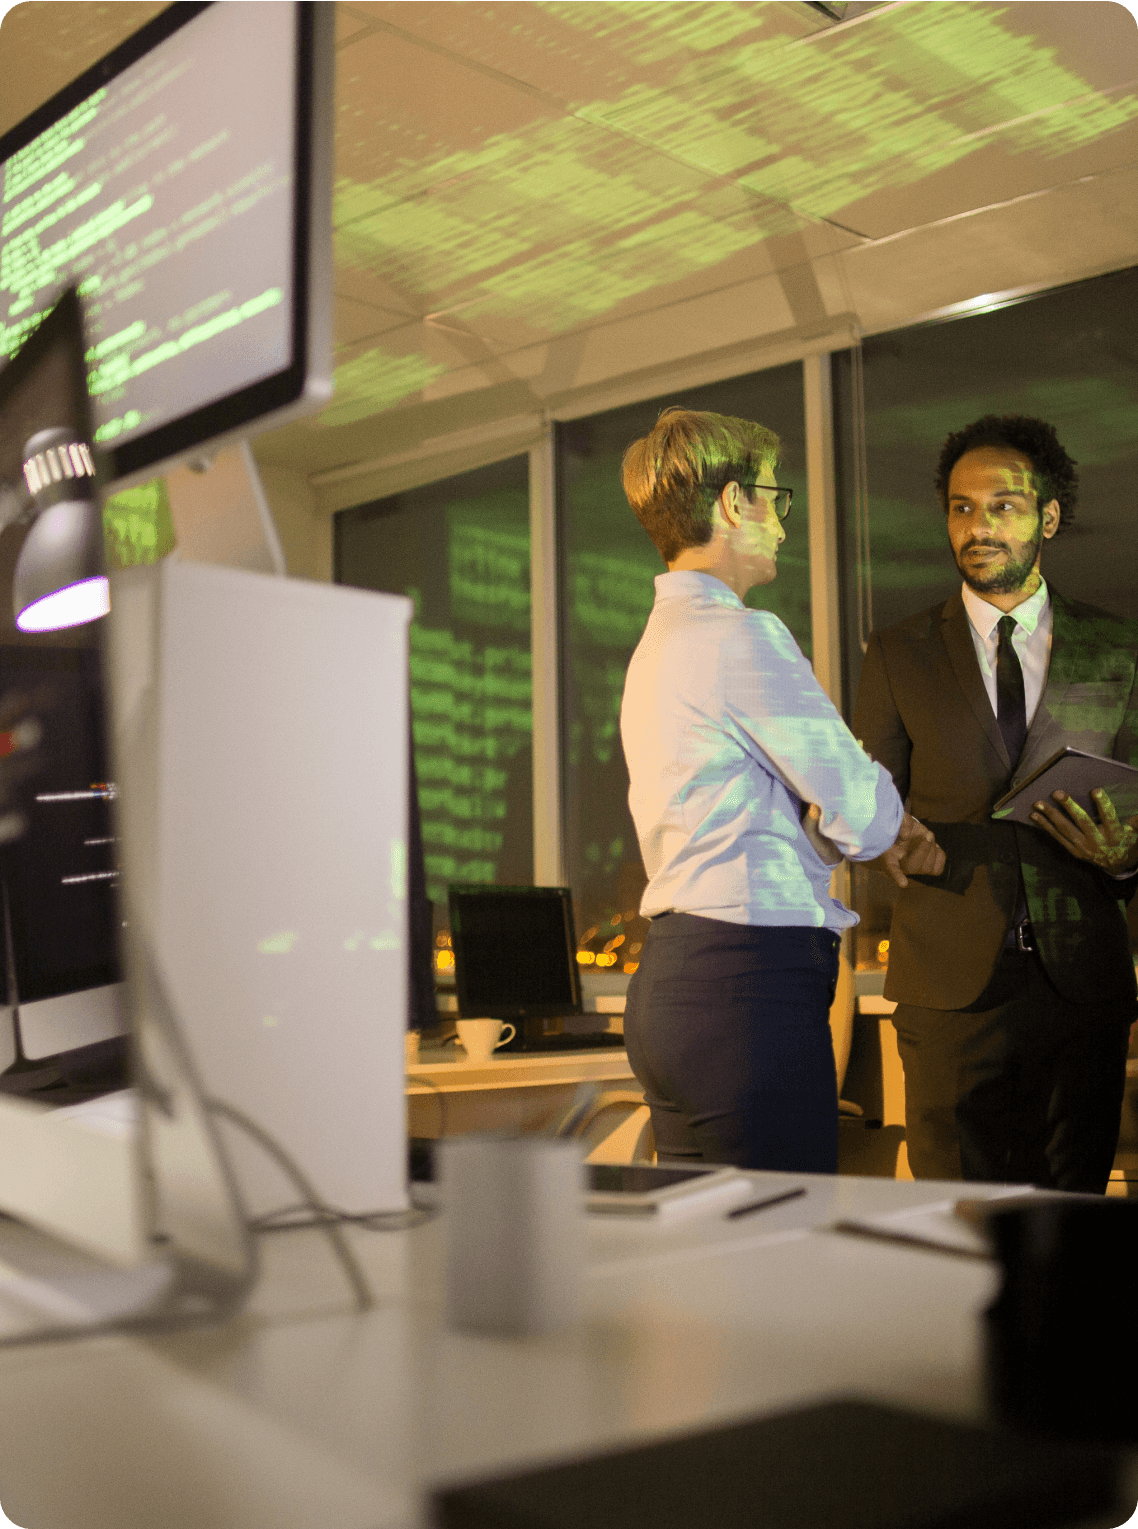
221 513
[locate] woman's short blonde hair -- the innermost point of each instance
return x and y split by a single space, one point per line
673 475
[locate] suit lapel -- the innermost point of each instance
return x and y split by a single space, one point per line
957 633
1045 735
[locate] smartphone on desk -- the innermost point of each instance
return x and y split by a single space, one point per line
623 1189
644 1189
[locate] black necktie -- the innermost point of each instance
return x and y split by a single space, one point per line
1011 710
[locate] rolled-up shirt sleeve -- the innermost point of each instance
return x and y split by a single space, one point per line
782 716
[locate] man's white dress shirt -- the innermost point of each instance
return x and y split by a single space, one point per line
1031 639
727 733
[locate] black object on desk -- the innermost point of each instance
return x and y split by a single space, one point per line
1062 1346
765 1204
515 959
570 1040
840 1465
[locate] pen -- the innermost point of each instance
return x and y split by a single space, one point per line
905 1239
745 1210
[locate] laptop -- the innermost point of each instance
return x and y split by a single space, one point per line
515 959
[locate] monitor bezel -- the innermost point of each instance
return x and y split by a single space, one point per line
515 1012
305 383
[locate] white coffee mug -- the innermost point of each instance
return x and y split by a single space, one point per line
481 1037
514 1229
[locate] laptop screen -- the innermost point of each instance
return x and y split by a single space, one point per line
515 952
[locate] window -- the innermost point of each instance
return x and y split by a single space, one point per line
460 549
607 569
137 525
1069 356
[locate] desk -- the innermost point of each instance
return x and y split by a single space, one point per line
449 1096
303 1414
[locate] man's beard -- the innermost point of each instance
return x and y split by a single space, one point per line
1009 576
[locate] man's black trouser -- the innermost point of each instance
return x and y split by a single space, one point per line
727 1027
1022 1087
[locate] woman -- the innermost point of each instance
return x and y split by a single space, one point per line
746 788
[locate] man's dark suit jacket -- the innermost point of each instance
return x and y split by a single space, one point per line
923 712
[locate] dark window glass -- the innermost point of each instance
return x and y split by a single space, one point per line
607 569
1069 356
460 549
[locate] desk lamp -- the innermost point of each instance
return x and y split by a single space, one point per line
60 578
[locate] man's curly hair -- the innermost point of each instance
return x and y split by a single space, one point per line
1053 470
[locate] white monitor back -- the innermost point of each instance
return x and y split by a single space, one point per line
261 730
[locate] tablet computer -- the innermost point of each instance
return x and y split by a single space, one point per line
642 1189
1078 773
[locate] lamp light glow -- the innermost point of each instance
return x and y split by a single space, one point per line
73 606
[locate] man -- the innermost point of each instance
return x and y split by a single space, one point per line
1012 969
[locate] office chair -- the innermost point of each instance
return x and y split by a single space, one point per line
615 1126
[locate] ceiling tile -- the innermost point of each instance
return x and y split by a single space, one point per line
748 311
353 321
583 52
400 105
44 46
349 25
999 169
754 258
573 223
1061 235
879 105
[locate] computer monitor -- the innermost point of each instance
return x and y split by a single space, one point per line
60 986
139 1208
515 954
184 184
60 977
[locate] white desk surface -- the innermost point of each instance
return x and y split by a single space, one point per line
447 1068
303 1414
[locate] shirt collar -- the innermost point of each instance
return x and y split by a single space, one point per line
686 584
985 617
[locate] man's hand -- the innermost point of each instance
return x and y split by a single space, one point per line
1109 844
914 850
825 848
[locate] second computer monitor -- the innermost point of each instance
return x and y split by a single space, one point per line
515 952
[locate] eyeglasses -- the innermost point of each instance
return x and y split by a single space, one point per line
781 499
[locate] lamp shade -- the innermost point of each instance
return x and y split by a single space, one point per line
60 576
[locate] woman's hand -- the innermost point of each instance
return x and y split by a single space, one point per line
824 848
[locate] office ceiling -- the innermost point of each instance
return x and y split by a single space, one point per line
541 203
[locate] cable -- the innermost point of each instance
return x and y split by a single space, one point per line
327 1219
290 1218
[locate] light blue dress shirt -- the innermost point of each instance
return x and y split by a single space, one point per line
727 733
